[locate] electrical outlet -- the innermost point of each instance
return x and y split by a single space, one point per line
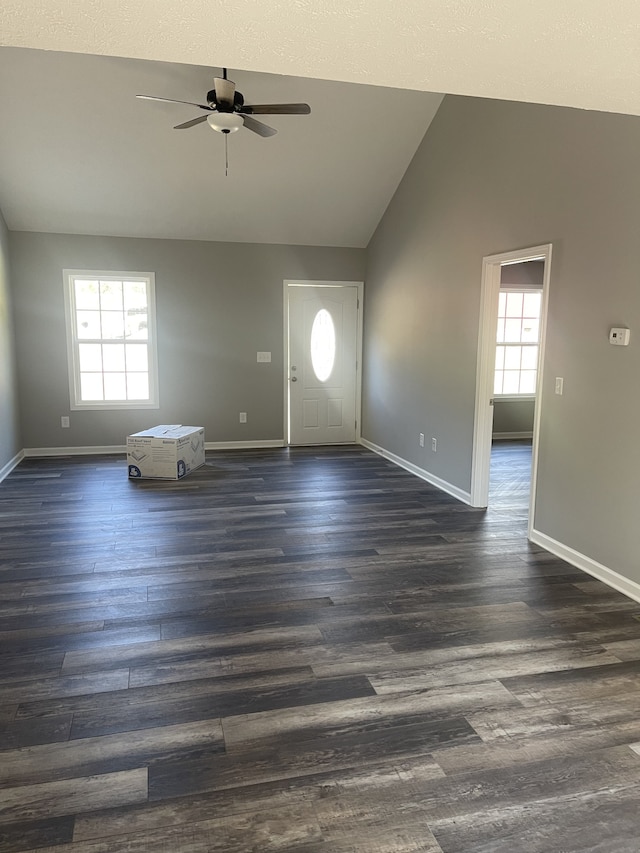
64 421
559 384
421 439
243 417
434 445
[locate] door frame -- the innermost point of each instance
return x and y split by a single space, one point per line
299 282
483 420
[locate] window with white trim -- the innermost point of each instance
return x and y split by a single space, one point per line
517 342
111 339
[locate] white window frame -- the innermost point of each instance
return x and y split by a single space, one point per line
75 400
512 397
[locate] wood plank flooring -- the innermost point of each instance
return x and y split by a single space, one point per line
305 651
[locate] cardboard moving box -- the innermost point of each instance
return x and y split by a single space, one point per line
165 452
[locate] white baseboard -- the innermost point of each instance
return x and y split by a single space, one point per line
450 489
11 464
243 445
503 436
618 582
98 450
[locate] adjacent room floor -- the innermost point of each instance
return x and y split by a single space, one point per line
304 650
510 476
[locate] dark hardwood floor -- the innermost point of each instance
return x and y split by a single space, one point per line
305 650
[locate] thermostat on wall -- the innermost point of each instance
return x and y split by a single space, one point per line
619 337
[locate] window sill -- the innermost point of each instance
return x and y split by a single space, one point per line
112 407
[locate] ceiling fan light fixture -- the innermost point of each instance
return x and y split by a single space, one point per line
225 122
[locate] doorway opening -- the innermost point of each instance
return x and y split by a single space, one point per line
515 292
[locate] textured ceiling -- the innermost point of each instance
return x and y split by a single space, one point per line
583 53
80 154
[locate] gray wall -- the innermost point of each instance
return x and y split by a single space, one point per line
526 274
10 443
490 177
217 304
513 416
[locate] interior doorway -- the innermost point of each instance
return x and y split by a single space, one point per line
322 346
491 371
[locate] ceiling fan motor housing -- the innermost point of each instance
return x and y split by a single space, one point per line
238 102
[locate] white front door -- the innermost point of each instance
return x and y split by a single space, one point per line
322 374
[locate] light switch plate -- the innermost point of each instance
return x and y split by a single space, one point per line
264 356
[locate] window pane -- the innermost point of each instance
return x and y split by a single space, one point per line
136 325
91 386
511 382
514 305
502 304
528 382
137 386
518 323
512 330
323 345
135 296
529 358
88 324
531 306
115 386
86 293
512 358
137 358
111 295
90 357
113 355
113 325
530 330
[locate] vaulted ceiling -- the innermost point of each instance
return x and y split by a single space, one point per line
82 155
79 154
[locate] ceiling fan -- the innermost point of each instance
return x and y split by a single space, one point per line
227 111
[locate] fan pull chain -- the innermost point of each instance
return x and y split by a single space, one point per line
226 155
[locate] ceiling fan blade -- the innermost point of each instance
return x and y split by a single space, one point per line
173 101
225 91
191 123
277 109
258 127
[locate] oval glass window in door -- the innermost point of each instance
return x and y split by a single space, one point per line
323 345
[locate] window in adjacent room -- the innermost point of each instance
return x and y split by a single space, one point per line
111 340
518 341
